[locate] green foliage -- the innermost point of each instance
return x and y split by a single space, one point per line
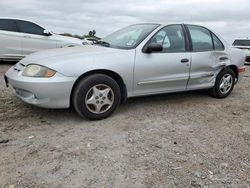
91 34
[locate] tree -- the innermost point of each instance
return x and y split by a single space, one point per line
90 33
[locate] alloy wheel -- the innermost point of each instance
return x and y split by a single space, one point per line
226 83
99 99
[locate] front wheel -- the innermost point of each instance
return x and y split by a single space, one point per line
96 97
224 84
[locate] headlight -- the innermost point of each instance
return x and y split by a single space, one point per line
38 71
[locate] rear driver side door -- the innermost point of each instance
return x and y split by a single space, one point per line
208 57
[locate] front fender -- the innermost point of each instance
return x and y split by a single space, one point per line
121 63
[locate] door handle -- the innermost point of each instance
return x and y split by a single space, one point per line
185 60
223 58
27 36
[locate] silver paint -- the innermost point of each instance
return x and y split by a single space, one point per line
142 74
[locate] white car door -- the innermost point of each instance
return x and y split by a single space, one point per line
10 45
33 38
166 70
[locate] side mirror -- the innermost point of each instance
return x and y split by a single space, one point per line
153 47
46 33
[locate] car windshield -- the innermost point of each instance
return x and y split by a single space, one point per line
241 43
129 37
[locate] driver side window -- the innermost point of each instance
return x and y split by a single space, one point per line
29 28
171 38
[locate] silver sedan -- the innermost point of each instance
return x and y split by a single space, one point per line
139 60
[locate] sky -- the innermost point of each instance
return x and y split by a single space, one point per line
228 18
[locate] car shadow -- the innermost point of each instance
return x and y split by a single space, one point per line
62 115
171 98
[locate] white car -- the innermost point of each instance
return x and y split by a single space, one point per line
20 38
243 44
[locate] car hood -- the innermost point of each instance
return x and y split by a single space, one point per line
74 61
60 58
64 53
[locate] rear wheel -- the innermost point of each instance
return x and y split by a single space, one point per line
96 96
224 84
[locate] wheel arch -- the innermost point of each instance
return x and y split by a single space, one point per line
110 73
235 69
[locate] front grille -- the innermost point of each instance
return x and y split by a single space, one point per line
16 69
248 59
19 67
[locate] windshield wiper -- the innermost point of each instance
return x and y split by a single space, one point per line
103 43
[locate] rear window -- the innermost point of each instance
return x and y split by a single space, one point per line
7 25
241 43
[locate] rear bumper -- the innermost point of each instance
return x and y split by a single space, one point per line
43 92
241 71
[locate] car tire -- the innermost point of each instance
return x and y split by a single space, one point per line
96 97
224 84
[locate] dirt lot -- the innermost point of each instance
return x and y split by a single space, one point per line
176 140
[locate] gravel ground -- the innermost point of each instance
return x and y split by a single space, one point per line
175 140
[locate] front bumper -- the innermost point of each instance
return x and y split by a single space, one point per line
51 92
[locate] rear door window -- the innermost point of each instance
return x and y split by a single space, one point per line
201 38
30 28
218 46
8 25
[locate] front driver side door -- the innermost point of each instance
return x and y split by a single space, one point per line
165 71
33 38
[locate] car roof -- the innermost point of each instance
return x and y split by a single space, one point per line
245 38
18 19
171 23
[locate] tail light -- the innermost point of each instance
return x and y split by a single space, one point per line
242 69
